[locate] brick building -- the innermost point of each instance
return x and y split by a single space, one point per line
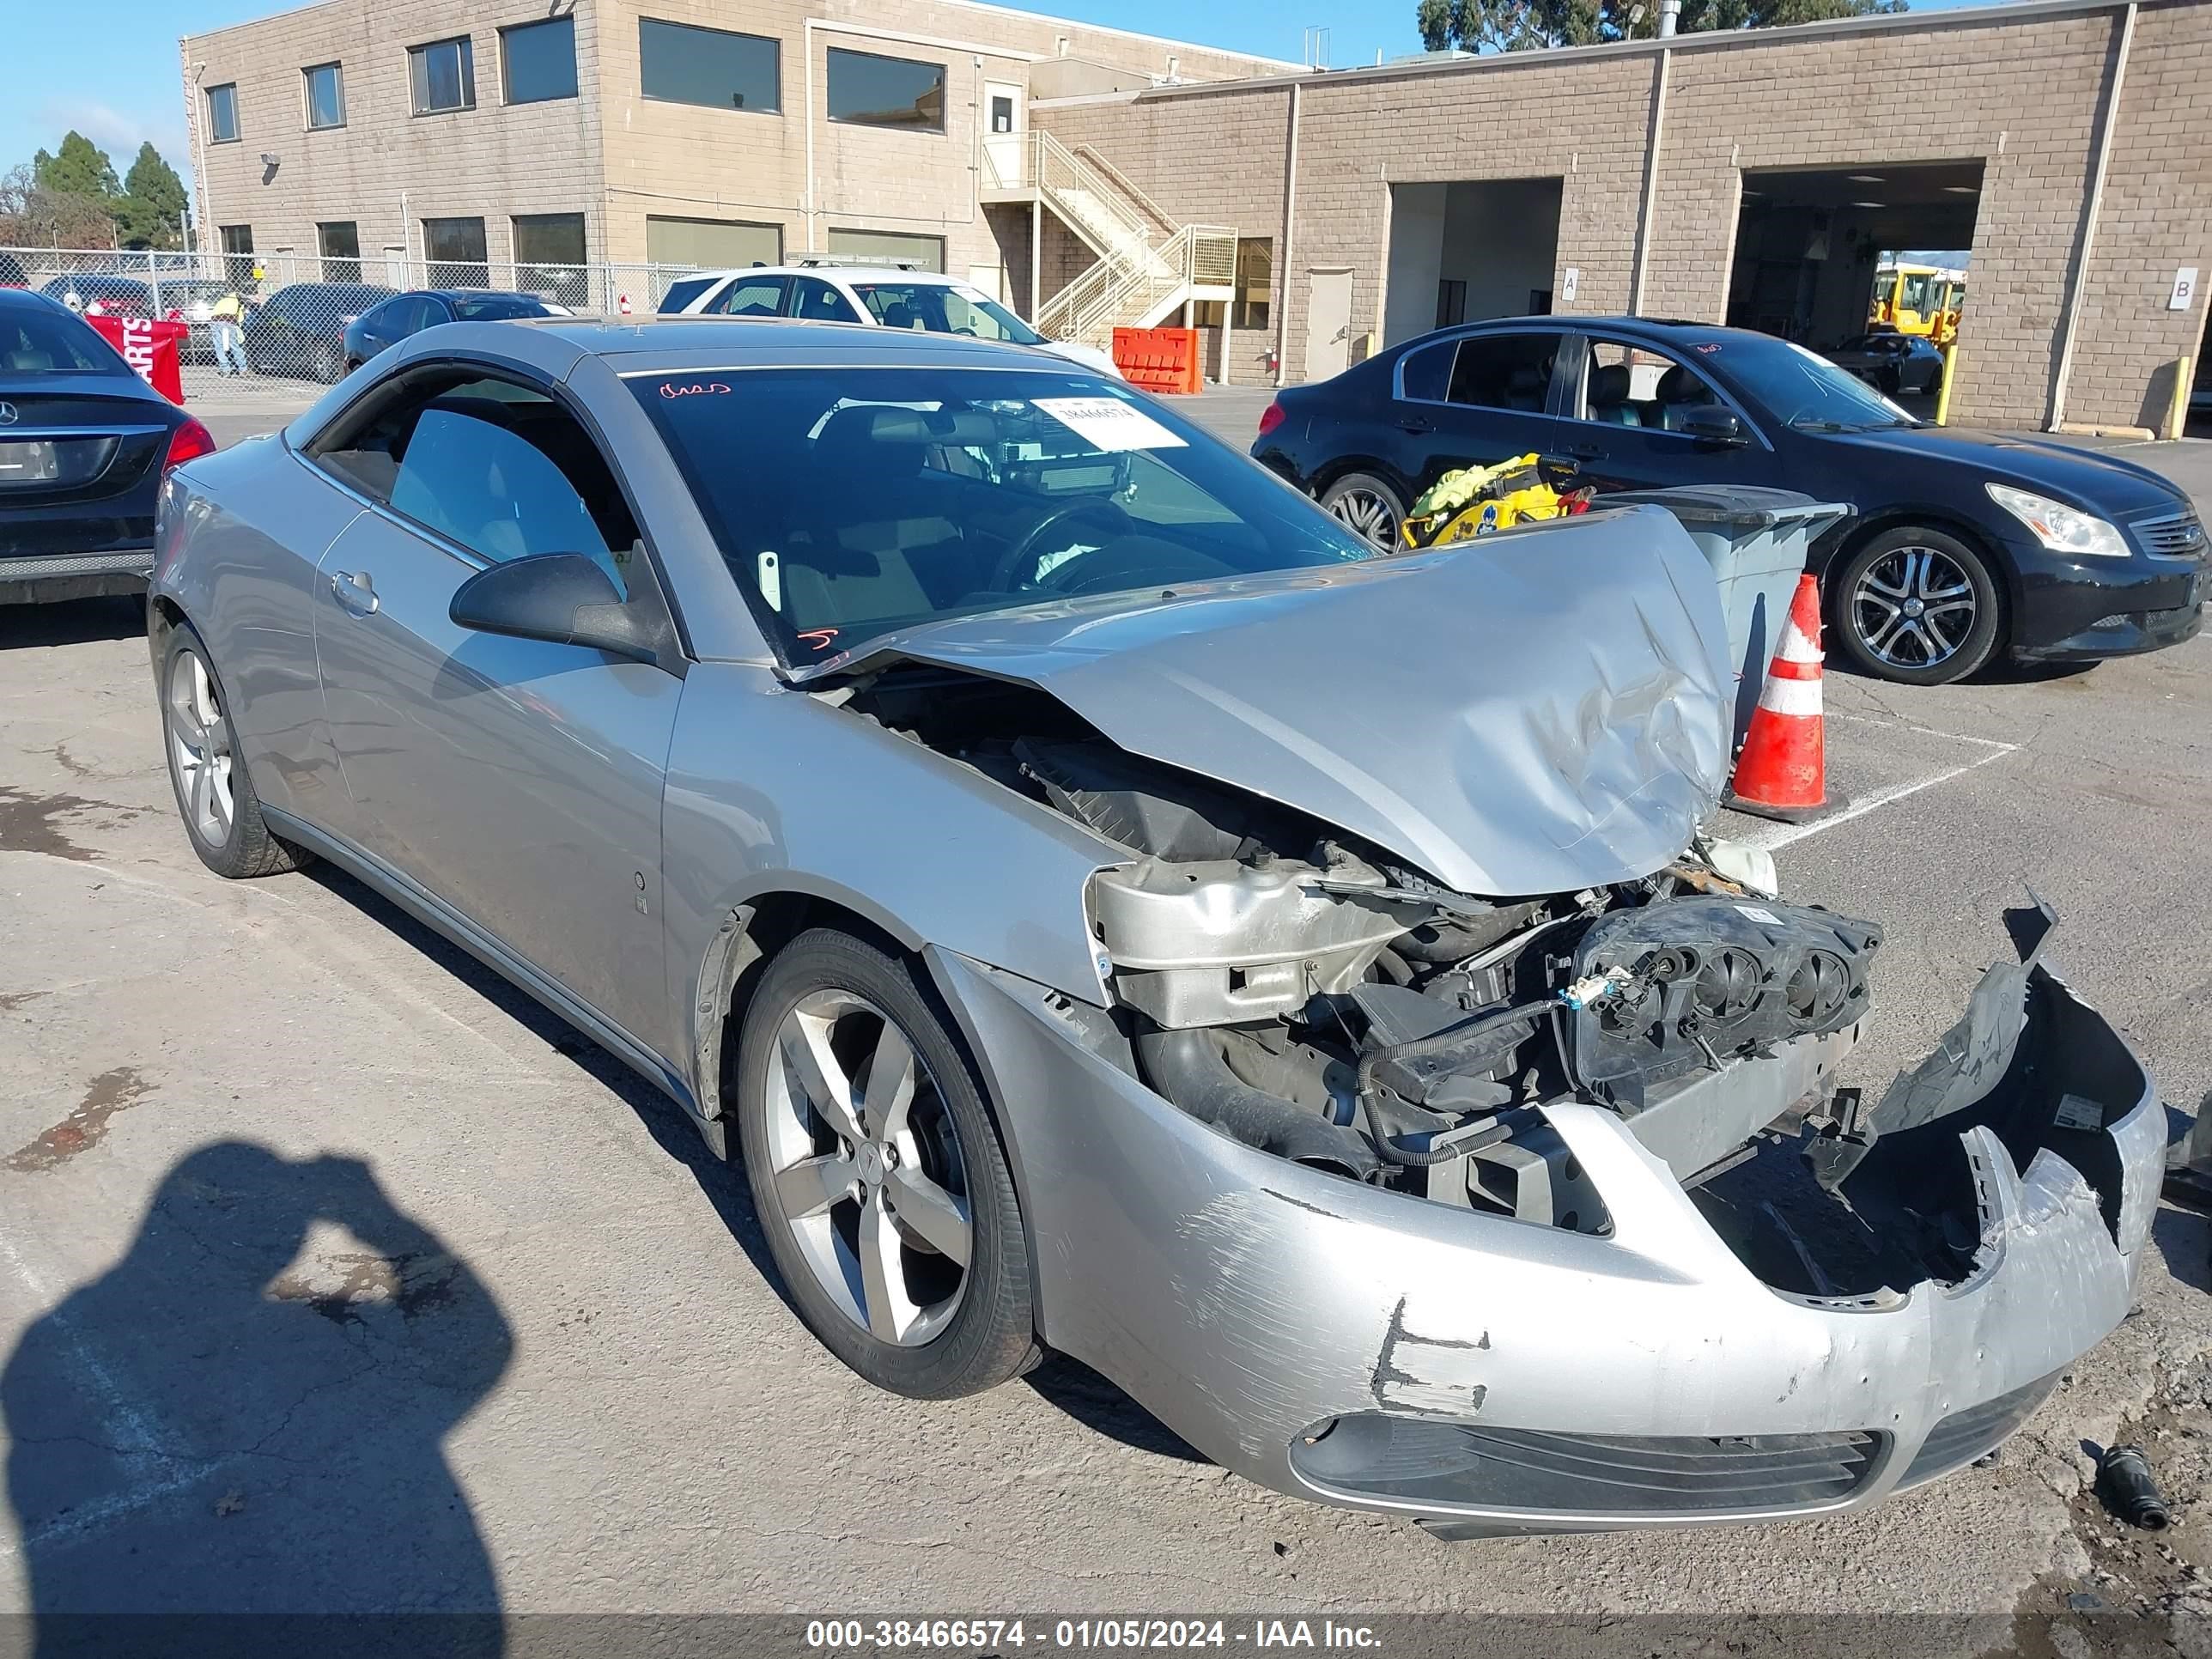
1751 178
494 141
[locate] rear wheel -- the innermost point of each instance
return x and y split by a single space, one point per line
325 363
877 1174
1368 507
1916 605
215 796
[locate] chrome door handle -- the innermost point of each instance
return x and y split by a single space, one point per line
354 590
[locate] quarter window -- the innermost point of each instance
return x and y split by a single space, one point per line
325 90
442 76
874 91
681 63
222 113
539 60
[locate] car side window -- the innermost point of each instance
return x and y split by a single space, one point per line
749 296
1627 385
815 301
682 293
1504 371
500 468
1424 374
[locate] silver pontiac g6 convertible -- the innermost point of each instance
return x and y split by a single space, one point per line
1107 907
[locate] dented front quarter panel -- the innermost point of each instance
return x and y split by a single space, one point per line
1244 1300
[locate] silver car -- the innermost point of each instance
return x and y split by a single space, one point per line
1106 906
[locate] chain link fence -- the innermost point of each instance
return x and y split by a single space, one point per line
292 310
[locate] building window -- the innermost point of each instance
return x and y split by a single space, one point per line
222 113
443 76
1002 113
711 244
454 253
677 63
1255 271
237 254
890 246
548 256
339 244
326 96
886 92
539 60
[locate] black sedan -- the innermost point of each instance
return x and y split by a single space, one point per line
383 326
85 444
1891 362
301 329
1965 546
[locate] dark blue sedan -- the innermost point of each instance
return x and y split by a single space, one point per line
386 325
84 445
1965 546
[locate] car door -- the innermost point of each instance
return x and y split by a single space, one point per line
1627 409
749 296
1474 400
518 780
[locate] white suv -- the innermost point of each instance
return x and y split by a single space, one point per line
889 297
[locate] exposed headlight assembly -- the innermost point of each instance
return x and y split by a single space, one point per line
2061 528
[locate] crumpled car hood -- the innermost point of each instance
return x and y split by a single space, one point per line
1530 712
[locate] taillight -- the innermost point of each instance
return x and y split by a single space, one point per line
1271 417
188 442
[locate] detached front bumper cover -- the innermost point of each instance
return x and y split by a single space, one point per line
1383 1352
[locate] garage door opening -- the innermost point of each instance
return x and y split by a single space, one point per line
1469 249
1811 247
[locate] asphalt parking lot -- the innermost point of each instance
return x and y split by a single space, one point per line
312 1231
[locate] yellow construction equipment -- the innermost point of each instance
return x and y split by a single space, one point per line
1919 299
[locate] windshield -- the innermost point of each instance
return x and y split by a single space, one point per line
944 308
849 503
1795 387
37 341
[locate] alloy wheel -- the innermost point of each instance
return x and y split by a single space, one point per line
1369 516
200 747
1913 608
868 1168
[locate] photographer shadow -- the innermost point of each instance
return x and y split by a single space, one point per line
219 1429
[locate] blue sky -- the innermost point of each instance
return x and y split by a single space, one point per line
119 82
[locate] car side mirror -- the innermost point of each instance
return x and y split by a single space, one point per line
1715 426
565 598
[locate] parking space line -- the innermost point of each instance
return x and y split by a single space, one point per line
1925 731
1783 835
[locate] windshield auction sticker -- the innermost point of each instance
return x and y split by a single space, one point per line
1109 424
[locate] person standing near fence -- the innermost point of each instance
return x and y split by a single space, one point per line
226 317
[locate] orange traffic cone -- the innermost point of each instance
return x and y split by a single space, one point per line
1783 771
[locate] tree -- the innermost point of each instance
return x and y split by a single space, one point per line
1516 25
81 169
153 198
31 215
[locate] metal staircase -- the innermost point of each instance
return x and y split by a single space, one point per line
1147 266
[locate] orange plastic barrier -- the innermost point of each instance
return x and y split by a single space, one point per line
149 346
1159 359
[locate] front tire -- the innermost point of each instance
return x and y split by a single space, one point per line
1367 507
1916 605
877 1174
215 795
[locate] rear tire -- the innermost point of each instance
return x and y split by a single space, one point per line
214 793
868 1204
1372 510
1916 605
325 364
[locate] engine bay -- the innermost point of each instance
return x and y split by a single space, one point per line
1309 995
